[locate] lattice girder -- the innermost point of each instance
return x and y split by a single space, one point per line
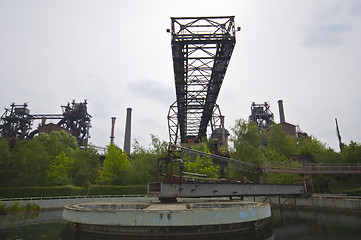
201 48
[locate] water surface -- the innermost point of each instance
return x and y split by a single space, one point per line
284 224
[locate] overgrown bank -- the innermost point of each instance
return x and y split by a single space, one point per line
17 208
57 191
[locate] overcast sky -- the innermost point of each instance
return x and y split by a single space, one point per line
117 54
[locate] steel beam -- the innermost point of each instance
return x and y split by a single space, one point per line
316 169
195 190
201 49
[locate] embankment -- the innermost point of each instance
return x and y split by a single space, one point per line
315 202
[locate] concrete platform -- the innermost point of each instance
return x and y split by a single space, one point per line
167 219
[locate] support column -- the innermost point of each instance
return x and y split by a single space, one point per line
128 131
112 131
310 185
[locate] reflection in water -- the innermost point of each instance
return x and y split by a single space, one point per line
265 233
303 224
284 224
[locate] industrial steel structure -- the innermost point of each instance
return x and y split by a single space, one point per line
201 49
17 121
173 181
261 115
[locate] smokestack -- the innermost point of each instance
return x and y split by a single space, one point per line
282 113
112 133
127 131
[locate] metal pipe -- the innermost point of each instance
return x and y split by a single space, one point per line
127 135
282 113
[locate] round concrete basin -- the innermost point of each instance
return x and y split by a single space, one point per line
191 218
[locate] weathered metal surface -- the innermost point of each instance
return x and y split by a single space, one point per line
313 169
261 115
307 169
17 121
217 159
180 190
201 49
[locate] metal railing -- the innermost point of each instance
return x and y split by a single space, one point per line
68 197
321 168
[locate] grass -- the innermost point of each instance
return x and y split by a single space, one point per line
17 208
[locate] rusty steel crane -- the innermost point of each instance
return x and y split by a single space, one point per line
201 49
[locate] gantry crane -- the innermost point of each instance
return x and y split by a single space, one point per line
201 49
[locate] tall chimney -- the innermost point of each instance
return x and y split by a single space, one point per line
112 132
127 131
282 113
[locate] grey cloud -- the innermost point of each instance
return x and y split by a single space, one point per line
356 9
153 90
329 12
327 35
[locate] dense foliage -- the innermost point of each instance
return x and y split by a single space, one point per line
202 165
56 160
254 145
17 208
47 159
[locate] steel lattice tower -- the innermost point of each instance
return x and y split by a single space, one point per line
201 49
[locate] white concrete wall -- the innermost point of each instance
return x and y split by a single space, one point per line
337 203
60 203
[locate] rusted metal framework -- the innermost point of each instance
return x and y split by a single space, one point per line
165 190
174 126
178 154
201 49
315 169
17 121
261 115
77 120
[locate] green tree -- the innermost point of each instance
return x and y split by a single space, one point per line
5 163
312 150
59 170
85 166
32 162
31 158
247 141
351 153
280 141
157 146
115 167
144 161
202 165
275 158
57 142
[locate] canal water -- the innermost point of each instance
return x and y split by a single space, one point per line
284 224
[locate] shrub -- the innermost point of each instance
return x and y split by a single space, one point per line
353 192
15 208
23 192
32 207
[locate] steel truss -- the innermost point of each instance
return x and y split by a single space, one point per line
17 121
261 115
174 124
201 49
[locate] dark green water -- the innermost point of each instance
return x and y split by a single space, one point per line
285 224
